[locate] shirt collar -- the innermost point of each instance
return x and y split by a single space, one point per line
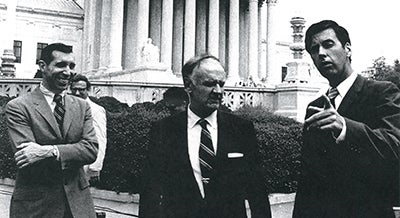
345 86
193 119
48 93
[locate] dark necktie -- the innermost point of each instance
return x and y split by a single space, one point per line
206 155
59 110
332 94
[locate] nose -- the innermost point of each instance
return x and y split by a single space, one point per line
217 89
322 51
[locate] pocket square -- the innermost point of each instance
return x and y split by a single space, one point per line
235 155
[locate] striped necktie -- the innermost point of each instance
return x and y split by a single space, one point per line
59 110
332 94
206 155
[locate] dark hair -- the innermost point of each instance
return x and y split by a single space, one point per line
341 32
192 63
47 52
80 77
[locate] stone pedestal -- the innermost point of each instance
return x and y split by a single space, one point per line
150 73
292 99
8 65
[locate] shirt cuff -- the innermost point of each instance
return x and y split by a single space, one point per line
342 134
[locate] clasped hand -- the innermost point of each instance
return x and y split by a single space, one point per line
326 118
30 152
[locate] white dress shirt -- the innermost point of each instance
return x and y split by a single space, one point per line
343 88
100 127
194 134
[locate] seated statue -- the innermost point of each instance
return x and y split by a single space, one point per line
149 52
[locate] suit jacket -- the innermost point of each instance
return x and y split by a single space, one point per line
170 186
359 176
42 189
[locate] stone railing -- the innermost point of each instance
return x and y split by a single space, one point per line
286 99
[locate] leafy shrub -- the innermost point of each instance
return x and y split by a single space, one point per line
127 142
279 140
8 167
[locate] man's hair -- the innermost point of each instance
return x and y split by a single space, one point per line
47 52
341 32
80 77
192 63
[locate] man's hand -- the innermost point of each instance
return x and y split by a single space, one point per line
30 152
325 119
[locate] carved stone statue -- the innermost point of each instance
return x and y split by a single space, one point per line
149 52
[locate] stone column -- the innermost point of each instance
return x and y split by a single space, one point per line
233 43
253 40
142 30
166 32
8 58
86 35
189 41
105 35
213 28
262 41
117 19
177 42
130 39
274 72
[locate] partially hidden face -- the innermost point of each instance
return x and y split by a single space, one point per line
329 55
79 89
57 74
207 86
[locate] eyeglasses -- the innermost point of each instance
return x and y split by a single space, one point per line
78 89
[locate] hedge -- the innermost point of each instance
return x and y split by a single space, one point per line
127 141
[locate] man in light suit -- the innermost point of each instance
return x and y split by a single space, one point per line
351 136
80 86
203 162
53 137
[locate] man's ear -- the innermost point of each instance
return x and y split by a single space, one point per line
347 47
42 65
188 85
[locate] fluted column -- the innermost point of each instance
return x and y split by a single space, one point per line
8 58
190 30
105 35
233 43
274 72
253 40
166 31
142 26
130 37
262 41
213 28
117 16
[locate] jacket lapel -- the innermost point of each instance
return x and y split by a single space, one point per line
223 137
352 95
70 110
43 108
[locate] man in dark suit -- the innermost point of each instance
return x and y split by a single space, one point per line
203 162
351 136
53 137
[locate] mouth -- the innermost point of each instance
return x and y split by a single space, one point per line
326 64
